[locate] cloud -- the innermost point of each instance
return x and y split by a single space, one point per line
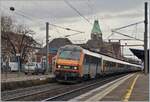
59 9
111 14
126 14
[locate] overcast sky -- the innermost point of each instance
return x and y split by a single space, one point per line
110 13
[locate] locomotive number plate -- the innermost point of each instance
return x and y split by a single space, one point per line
66 67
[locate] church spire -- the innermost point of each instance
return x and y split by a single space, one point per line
96 31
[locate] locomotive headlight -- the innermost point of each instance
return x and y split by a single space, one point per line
59 66
75 68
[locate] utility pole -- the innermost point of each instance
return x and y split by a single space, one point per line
47 47
145 39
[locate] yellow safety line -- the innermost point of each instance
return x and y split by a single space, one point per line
129 90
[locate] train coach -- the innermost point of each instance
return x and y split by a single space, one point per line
73 63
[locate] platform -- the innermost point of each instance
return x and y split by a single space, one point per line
135 88
132 87
14 76
14 80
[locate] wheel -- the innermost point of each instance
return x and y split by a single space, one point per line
97 76
43 72
86 77
36 72
89 77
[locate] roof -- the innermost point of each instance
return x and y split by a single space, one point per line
96 28
71 47
108 58
55 44
139 53
59 42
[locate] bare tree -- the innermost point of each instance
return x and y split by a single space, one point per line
6 23
19 40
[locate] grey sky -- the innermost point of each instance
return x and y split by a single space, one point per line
110 13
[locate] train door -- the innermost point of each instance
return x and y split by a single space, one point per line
98 67
93 67
86 66
102 66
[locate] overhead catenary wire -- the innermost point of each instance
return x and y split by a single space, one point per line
29 17
41 21
128 25
71 34
127 36
90 9
69 4
123 27
92 4
96 16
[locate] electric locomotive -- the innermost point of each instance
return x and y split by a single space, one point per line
73 63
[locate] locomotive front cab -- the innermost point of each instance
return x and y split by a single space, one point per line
68 65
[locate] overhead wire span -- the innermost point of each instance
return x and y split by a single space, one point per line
90 9
71 34
127 35
29 17
116 30
77 11
128 25
70 5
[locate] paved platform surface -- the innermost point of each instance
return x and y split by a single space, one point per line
14 76
132 87
135 88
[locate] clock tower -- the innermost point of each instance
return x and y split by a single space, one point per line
96 33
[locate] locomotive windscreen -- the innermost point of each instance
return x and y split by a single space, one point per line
68 54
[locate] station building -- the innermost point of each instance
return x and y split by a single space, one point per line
96 43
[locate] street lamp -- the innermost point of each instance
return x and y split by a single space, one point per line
12 8
18 54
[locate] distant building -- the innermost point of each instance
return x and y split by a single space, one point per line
112 49
96 43
96 33
54 45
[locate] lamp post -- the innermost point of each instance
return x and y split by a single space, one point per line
145 39
18 59
47 47
18 54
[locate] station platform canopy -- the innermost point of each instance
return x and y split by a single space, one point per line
139 53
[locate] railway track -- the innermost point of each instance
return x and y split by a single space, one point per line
25 92
30 92
55 91
81 90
